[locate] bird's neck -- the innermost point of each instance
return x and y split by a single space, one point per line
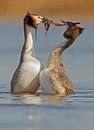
66 44
28 47
55 56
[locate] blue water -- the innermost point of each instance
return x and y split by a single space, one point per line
48 112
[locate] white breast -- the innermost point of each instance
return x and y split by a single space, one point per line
26 76
45 82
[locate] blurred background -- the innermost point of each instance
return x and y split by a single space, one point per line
80 9
78 60
74 112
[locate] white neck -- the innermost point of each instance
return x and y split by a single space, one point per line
28 47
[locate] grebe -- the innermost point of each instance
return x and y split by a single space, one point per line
53 78
26 76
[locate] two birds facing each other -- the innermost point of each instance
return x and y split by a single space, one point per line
52 78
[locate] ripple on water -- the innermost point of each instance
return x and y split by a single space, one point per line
84 96
43 111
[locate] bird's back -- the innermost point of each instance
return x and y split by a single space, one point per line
61 81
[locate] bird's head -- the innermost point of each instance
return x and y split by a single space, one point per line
73 30
32 20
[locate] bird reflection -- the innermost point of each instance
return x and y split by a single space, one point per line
31 99
41 98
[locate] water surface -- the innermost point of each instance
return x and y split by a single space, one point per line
43 112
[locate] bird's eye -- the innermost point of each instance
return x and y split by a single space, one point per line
39 17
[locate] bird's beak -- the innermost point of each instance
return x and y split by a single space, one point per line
64 22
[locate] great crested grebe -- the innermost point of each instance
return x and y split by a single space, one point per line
53 78
26 76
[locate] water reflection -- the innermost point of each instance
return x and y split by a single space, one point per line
84 95
30 99
41 98
43 111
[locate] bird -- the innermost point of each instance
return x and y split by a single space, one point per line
26 77
53 77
